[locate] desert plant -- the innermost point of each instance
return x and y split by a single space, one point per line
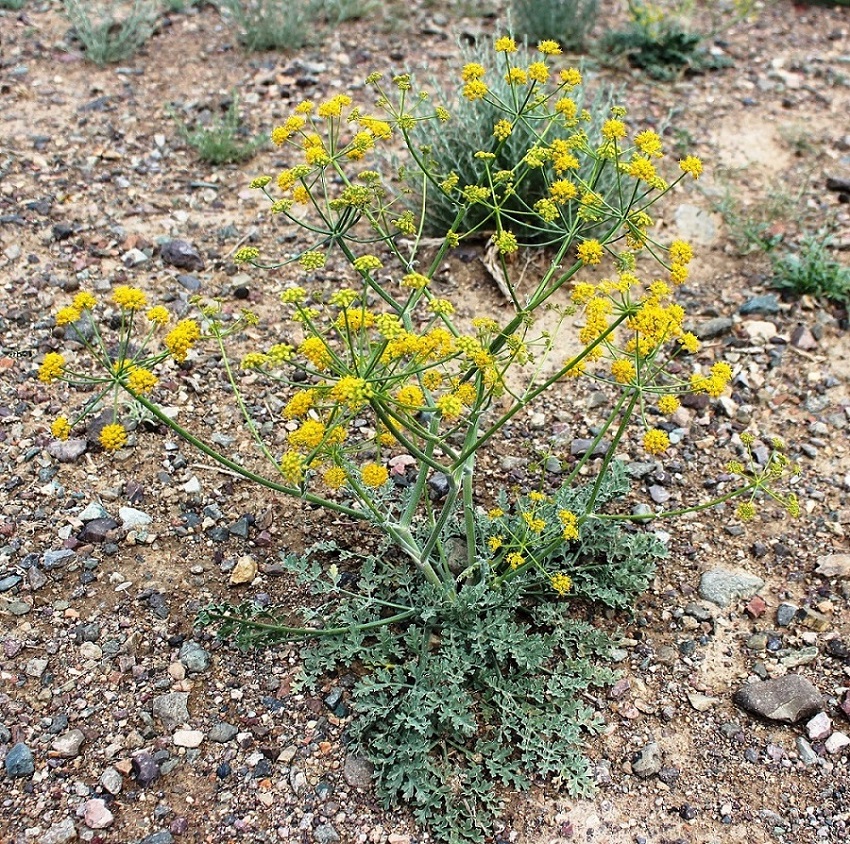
223 140
568 22
113 32
275 24
664 40
812 271
338 11
457 148
12 5
472 672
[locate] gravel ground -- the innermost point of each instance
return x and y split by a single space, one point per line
121 722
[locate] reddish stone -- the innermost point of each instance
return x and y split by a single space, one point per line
756 607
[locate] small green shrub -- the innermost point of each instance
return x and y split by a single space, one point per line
13 5
468 694
759 226
106 35
661 44
223 141
568 22
811 271
455 147
337 11
275 24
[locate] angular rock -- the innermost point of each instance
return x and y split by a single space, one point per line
244 571
788 699
172 709
765 305
93 511
68 745
222 732
67 451
702 703
802 338
56 559
95 815
97 530
580 447
760 331
813 619
837 742
112 781
820 727
805 751
132 519
785 614
182 255
145 768
834 565
647 762
325 834
161 837
722 587
19 761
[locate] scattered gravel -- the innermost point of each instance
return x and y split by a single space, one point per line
121 721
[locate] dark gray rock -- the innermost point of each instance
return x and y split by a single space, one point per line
19 761
785 614
56 559
713 328
767 304
438 486
721 587
788 699
580 447
97 530
358 771
182 255
222 732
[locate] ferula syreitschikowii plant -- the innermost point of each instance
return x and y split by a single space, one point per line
478 669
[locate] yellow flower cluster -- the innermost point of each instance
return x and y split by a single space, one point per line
181 338
561 583
113 436
129 298
51 367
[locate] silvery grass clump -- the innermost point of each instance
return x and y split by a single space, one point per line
111 32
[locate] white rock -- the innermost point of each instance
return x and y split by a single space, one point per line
759 330
192 486
836 743
188 738
819 727
133 518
